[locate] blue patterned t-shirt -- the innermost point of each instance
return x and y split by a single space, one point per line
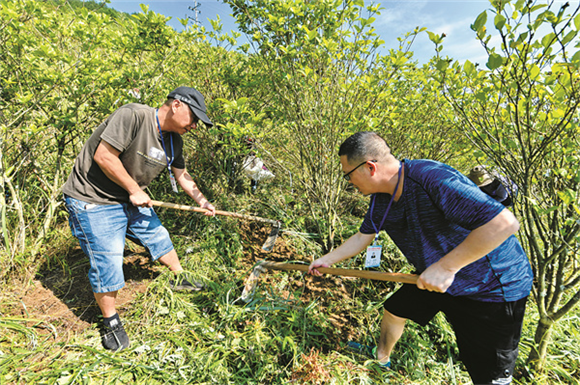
438 208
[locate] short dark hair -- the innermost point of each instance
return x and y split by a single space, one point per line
364 145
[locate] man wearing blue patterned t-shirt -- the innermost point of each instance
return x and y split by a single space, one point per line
461 242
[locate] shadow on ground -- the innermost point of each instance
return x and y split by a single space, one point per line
60 294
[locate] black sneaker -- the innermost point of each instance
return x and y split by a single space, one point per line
114 337
184 285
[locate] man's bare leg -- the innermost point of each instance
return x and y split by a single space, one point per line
113 335
106 302
392 328
171 261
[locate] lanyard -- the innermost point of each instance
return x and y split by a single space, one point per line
171 177
163 144
388 207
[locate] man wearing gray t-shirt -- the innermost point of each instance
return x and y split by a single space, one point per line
106 201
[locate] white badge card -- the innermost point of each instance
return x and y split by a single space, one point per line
173 183
373 258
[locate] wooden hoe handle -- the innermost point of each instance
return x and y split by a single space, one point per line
375 275
218 212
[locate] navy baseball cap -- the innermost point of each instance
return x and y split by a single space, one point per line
194 99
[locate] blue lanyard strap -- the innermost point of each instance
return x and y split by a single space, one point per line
163 143
388 207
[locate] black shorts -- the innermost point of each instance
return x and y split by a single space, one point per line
488 333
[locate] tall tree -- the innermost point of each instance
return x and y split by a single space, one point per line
324 79
522 113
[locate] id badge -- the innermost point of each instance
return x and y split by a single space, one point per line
173 183
373 257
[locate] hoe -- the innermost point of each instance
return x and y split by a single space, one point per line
252 281
268 245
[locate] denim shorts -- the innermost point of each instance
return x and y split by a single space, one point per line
101 231
488 333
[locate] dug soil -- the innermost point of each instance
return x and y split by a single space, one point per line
59 299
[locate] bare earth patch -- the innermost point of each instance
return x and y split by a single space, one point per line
61 296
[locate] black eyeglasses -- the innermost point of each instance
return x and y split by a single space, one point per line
347 175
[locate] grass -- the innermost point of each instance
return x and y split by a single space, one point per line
294 331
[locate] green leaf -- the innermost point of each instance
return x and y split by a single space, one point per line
499 21
312 34
551 17
442 64
548 210
481 96
433 37
548 40
567 196
522 37
479 22
494 61
536 7
468 67
8 172
569 37
534 72
478 154
576 58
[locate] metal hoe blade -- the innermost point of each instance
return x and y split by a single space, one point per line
250 284
269 244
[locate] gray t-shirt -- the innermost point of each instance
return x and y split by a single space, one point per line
132 130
